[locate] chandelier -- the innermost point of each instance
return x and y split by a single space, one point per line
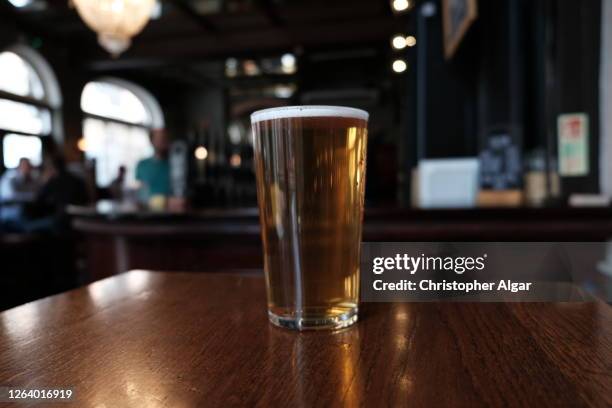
115 21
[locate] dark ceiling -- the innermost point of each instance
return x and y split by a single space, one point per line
204 30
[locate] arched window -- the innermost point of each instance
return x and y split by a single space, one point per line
28 95
119 116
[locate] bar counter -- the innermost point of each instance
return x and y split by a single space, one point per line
211 240
178 339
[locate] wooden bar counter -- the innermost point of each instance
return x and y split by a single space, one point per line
153 339
213 240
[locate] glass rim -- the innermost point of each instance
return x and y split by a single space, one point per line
304 111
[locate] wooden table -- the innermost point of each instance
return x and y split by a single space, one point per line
152 339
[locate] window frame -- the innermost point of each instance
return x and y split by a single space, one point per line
29 101
105 119
149 102
51 100
4 133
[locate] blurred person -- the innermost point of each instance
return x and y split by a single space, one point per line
154 172
118 184
60 188
17 187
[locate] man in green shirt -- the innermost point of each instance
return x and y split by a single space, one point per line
154 172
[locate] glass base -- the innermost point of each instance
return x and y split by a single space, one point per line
315 323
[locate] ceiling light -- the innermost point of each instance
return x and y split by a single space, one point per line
231 67
398 42
400 5
235 160
251 68
82 144
284 91
115 21
156 13
288 60
235 131
201 153
399 66
20 3
411 41
288 63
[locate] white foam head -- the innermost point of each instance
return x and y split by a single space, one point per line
308 111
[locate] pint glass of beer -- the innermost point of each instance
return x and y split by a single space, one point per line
310 167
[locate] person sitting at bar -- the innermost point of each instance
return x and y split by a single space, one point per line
118 184
154 172
17 187
60 189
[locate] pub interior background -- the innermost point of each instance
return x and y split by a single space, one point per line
488 121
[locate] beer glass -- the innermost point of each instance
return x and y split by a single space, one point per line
310 169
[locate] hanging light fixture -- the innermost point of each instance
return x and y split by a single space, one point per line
400 5
115 21
398 42
399 66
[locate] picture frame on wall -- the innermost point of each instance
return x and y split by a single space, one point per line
458 16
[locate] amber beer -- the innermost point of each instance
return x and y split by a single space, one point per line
310 166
